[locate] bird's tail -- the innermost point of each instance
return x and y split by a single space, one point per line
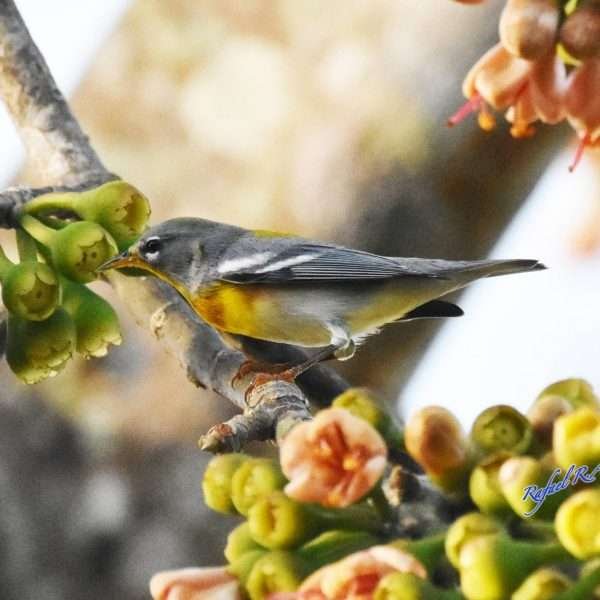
493 268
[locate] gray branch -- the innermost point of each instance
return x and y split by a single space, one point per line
64 159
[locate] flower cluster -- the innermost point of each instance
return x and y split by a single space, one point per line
62 239
545 68
317 526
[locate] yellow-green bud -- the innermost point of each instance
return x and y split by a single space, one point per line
484 487
241 567
30 290
577 524
578 392
434 438
576 438
77 250
95 319
255 479
491 567
36 350
362 404
408 586
542 584
276 571
464 530
217 482
502 427
239 542
278 522
521 476
117 206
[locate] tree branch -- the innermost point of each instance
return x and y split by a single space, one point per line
64 159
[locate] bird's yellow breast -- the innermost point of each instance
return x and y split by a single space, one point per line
228 306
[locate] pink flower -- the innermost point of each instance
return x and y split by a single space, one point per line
582 103
528 90
356 576
334 459
195 583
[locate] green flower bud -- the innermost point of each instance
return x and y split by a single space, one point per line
253 480
542 584
30 290
117 206
242 566
428 550
516 475
362 404
278 522
491 567
543 414
484 487
217 482
407 586
77 250
95 320
577 524
578 392
434 438
331 546
276 571
576 438
464 530
501 427
239 542
36 350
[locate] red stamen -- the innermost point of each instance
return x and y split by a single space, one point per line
585 141
472 105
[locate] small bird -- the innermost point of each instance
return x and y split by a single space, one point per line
287 289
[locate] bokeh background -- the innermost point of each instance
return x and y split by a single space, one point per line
326 119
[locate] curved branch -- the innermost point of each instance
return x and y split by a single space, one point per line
65 160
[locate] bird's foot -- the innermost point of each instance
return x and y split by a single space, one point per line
255 367
288 375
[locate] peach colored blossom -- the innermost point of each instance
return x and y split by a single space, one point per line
582 103
195 583
528 90
334 459
356 576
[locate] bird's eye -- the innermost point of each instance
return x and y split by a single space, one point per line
152 246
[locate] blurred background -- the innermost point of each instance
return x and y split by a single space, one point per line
325 119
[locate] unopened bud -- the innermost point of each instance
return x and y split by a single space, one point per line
36 350
253 480
501 427
77 250
434 438
528 28
484 486
464 530
217 482
577 524
576 439
580 33
543 584
117 206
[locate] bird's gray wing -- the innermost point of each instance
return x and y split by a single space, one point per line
308 261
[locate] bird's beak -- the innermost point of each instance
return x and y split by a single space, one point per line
125 259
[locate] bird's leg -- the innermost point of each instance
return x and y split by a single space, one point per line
264 373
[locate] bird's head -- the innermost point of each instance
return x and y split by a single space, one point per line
179 251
